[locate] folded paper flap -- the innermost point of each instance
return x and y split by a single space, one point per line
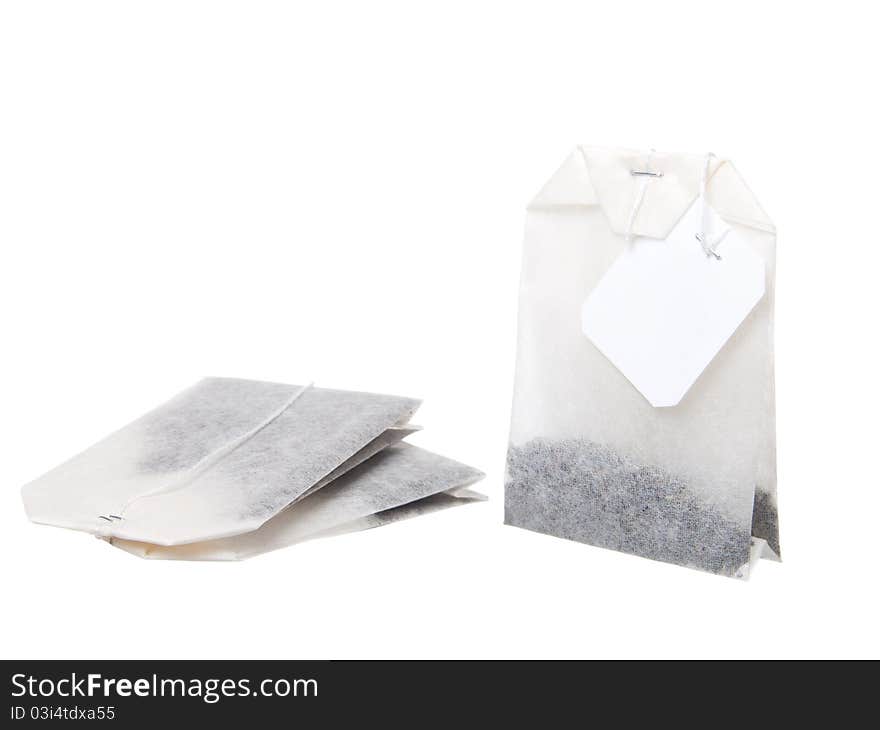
397 475
402 480
384 440
595 176
569 186
117 487
418 508
732 199
281 462
152 451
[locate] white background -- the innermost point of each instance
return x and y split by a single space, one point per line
335 192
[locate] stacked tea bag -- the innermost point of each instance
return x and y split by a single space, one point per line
232 468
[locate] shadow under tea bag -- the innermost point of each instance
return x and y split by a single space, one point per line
219 459
401 481
643 415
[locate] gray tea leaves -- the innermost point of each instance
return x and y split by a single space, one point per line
584 491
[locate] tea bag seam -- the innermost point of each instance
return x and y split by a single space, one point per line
104 522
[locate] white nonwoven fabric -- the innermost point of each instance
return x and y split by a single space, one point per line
219 459
382 441
399 482
590 459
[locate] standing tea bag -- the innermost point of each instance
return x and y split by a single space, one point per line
643 413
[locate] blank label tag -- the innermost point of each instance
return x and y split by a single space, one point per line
664 309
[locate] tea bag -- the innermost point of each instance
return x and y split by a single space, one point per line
643 414
219 459
400 482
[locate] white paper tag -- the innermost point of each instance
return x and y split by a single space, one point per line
665 308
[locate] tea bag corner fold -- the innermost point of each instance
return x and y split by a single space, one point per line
650 428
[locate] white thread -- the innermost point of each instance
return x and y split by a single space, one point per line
709 247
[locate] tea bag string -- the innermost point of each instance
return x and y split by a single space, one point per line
210 459
709 246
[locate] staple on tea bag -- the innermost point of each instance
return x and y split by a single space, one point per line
399 482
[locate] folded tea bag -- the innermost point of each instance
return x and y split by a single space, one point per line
401 481
643 415
220 459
